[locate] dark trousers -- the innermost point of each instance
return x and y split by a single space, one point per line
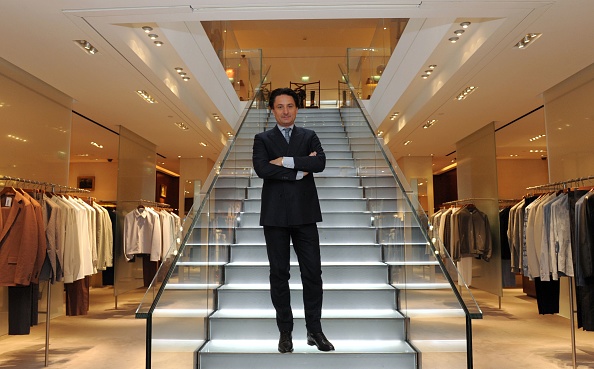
306 243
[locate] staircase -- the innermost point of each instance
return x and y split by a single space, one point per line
378 270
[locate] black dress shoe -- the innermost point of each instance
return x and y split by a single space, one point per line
319 340
285 342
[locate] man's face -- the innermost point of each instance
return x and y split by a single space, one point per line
284 110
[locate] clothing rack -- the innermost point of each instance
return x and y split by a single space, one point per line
563 185
61 189
465 201
47 185
150 203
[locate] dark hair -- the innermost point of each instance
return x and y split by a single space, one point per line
282 91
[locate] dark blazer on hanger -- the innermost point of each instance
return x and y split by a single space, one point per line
285 200
19 242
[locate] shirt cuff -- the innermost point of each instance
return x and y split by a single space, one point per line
288 162
299 176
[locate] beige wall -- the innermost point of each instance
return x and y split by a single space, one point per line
568 118
106 178
416 167
191 172
514 175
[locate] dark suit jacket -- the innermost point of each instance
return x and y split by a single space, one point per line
285 200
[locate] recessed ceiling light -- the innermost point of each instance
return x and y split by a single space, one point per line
158 43
16 138
459 32
186 79
464 94
465 24
428 71
537 138
182 126
453 39
178 69
153 36
86 46
425 76
182 73
147 29
146 97
203 144
527 40
96 145
429 123
432 66
407 142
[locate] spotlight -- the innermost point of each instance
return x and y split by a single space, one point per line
147 29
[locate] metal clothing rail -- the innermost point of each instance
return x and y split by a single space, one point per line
455 202
61 189
149 202
53 186
576 181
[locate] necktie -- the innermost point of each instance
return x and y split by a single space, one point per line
287 134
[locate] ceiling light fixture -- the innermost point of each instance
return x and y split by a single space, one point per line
16 138
428 71
393 116
432 66
407 142
380 133
216 117
203 144
527 40
429 123
182 126
147 29
153 36
465 24
459 32
86 46
146 97
464 94
159 43
96 145
178 69
186 79
425 76
537 138
453 39
182 73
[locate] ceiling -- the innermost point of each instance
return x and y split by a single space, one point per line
509 81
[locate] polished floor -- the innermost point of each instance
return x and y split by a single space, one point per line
515 336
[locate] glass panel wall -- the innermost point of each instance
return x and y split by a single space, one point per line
365 66
181 297
34 145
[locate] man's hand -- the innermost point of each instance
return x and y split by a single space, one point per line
313 153
278 161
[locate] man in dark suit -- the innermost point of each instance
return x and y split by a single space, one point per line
286 160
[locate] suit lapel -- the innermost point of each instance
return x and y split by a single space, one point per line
18 203
277 137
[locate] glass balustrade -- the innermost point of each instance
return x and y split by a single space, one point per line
431 292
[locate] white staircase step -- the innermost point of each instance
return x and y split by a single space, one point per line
263 354
333 273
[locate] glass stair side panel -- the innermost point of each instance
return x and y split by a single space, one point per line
427 295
